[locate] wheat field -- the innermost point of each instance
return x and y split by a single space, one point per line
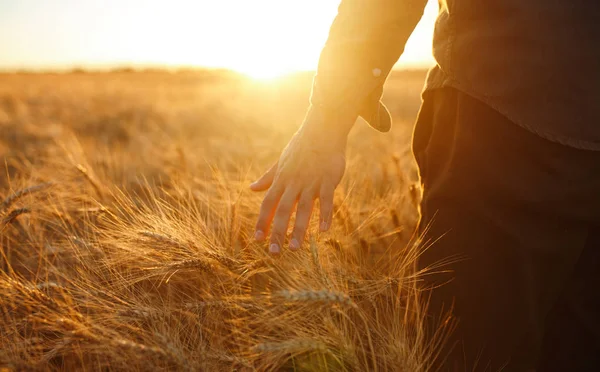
126 228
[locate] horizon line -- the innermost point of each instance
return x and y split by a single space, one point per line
140 67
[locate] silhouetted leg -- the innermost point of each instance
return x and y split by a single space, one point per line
511 209
572 338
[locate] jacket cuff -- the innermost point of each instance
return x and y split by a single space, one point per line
363 97
377 116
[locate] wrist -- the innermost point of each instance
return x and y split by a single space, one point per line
333 125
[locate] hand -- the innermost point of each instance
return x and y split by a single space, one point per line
311 166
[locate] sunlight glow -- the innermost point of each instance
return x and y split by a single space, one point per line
261 38
263 72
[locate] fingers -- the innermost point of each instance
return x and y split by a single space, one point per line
278 206
326 203
265 181
282 219
267 210
303 213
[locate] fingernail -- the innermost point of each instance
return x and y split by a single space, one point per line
274 248
259 235
323 226
294 244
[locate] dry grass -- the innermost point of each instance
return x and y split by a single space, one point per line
125 231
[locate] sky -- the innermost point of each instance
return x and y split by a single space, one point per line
259 37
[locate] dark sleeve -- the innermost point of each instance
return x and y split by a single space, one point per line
366 39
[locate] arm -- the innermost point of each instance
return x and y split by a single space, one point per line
365 41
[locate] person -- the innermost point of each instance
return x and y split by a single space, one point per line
506 142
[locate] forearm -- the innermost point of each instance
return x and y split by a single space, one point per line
365 40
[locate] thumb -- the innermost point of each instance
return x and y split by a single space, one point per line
265 181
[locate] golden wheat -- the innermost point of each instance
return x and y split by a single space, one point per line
136 252
311 296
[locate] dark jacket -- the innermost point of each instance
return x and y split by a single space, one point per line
537 62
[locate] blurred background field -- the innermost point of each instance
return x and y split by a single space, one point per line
126 224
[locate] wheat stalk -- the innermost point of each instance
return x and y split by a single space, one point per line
86 174
299 344
10 200
228 262
139 313
162 238
221 304
14 214
191 264
139 347
315 296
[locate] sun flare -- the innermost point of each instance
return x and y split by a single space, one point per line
263 39
262 72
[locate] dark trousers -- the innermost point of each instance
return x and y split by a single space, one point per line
511 230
